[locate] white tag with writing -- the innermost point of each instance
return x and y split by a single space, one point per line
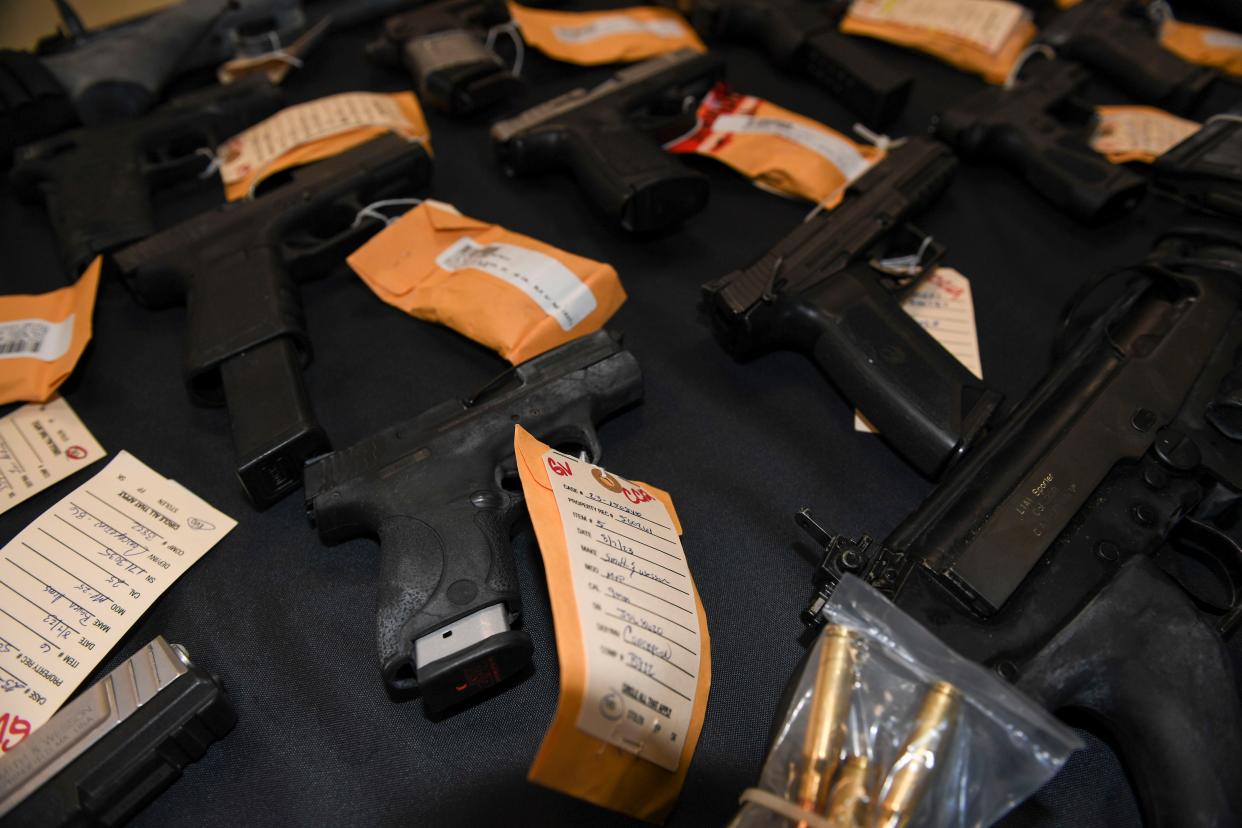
640 624
36 338
41 445
837 151
78 577
552 286
987 24
1138 130
255 148
619 24
944 306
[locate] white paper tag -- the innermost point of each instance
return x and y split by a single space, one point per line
255 148
1145 130
835 150
41 445
944 306
640 624
78 577
987 24
36 339
552 286
619 24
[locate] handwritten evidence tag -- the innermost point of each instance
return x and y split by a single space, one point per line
944 306
41 445
631 634
1138 133
78 577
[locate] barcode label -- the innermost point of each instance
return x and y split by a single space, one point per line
35 339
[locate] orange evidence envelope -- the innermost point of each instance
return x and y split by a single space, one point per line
571 760
42 336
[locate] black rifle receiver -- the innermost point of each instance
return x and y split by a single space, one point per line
97 182
801 36
610 139
1022 128
440 491
816 292
1206 168
441 44
1055 551
1114 38
235 270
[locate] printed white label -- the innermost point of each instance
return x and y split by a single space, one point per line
554 287
834 149
36 339
78 577
41 445
261 144
987 24
1139 129
640 624
1222 39
618 24
943 305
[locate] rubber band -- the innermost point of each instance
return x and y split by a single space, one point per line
782 807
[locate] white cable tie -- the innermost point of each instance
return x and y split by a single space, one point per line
372 209
1160 12
519 45
1026 54
214 162
1224 116
877 139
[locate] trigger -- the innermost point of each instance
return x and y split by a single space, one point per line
1221 555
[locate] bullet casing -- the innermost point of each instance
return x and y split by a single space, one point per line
830 708
920 756
850 803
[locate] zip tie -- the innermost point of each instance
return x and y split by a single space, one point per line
284 57
372 209
515 35
1224 116
1025 55
213 162
782 807
1160 12
877 139
909 265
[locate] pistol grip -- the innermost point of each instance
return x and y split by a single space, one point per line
449 565
923 401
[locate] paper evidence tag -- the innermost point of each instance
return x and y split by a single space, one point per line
944 306
620 24
592 38
78 577
36 338
830 146
635 598
1138 133
41 445
554 287
987 24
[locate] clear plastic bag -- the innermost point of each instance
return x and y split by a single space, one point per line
889 727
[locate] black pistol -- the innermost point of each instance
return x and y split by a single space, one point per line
1039 131
440 492
235 270
97 182
442 46
610 137
105 755
818 291
1088 548
801 36
1118 40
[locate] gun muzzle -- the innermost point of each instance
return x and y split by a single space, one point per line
921 755
830 707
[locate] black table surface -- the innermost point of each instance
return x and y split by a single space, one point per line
288 623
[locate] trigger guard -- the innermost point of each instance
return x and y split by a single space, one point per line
1217 551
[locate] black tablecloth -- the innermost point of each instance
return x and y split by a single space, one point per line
288 623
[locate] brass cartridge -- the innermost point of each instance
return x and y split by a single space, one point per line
921 756
826 728
850 804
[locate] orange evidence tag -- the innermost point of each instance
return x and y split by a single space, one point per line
313 131
615 36
984 37
779 150
1138 133
1203 45
631 635
42 336
507 291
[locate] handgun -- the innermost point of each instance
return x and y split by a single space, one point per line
821 291
109 752
1087 548
97 183
236 270
1206 168
1038 129
1116 39
441 492
801 36
610 137
441 44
